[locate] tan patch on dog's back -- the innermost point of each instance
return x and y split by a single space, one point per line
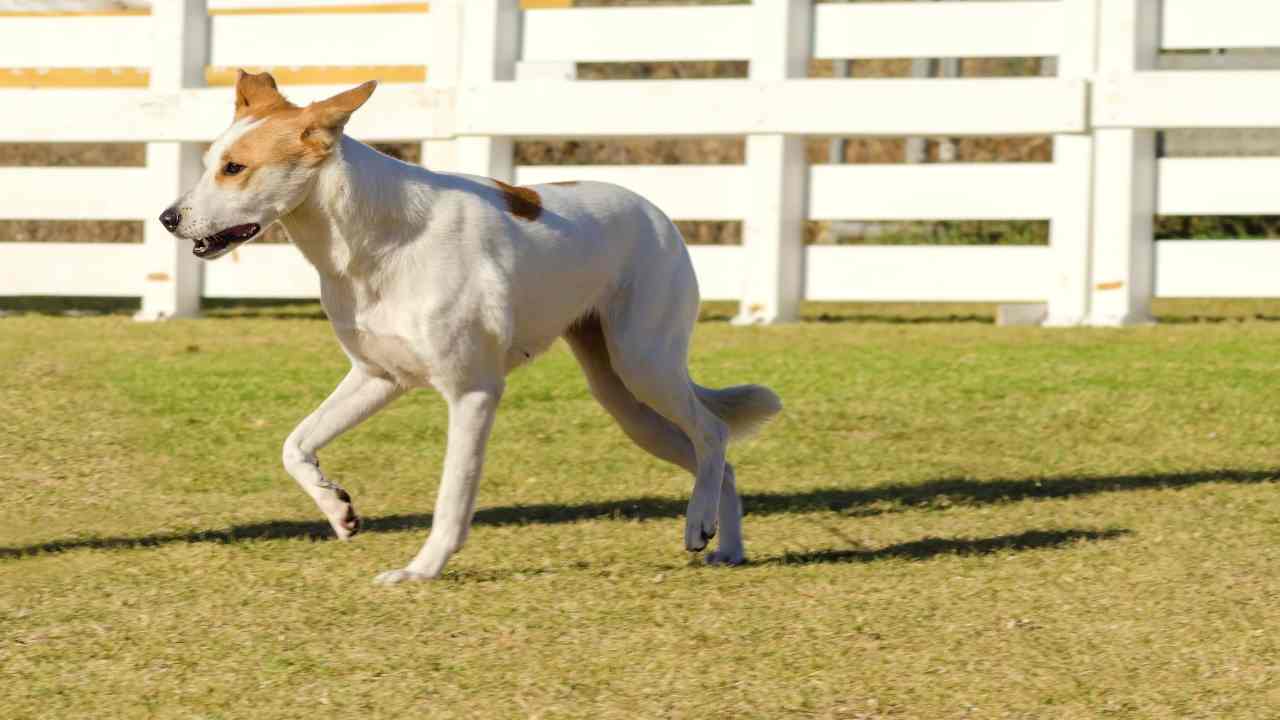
523 202
565 183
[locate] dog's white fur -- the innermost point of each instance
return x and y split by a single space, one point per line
433 279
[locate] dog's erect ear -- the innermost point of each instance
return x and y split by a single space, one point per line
325 119
257 94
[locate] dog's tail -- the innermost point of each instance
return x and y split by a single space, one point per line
744 408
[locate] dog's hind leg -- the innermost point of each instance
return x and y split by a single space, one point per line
358 396
646 428
649 355
651 431
730 550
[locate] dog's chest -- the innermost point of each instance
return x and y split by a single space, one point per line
389 353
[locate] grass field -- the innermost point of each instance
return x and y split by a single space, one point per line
950 520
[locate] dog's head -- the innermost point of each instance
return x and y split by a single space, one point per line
262 167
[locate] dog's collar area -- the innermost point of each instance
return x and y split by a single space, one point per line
218 244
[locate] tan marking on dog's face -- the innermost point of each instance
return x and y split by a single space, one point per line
523 202
284 138
283 133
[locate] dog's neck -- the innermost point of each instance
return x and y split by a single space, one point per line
357 209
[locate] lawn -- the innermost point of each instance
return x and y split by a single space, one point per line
949 520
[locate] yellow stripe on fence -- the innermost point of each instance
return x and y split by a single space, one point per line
416 7
326 9
74 77
214 76
74 13
379 8
325 75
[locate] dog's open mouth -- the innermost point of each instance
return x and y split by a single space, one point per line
219 244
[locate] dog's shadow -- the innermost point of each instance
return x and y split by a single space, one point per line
854 502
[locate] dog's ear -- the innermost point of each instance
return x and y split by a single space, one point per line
325 119
257 94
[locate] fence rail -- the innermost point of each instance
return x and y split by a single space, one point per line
466 77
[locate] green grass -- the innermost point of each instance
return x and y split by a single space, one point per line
950 520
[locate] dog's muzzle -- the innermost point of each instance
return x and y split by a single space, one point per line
215 246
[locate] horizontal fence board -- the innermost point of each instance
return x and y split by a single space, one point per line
75 41
77 193
1217 268
912 29
720 270
1020 106
395 112
72 269
926 273
610 108
1218 186
683 192
1188 99
262 271
631 34
678 108
324 39
1198 24
978 191
996 106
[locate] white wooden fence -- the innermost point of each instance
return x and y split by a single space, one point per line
483 87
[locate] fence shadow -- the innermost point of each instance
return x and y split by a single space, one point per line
931 547
947 492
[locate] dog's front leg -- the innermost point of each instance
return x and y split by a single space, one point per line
471 416
358 396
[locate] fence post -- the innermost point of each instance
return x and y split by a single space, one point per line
444 58
773 229
489 45
1124 200
1070 229
172 278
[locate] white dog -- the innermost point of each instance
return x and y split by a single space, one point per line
453 281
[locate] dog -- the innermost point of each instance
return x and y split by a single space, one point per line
453 281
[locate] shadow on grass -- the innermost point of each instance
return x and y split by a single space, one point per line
933 547
225 309
69 306
936 494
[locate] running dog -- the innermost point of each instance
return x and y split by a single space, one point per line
453 281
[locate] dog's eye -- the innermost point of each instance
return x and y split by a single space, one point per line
232 168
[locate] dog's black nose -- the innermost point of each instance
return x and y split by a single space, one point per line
170 219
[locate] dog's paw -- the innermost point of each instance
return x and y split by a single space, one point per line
700 522
341 514
727 558
698 532
346 524
395 577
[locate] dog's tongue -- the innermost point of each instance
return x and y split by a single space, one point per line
241 231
